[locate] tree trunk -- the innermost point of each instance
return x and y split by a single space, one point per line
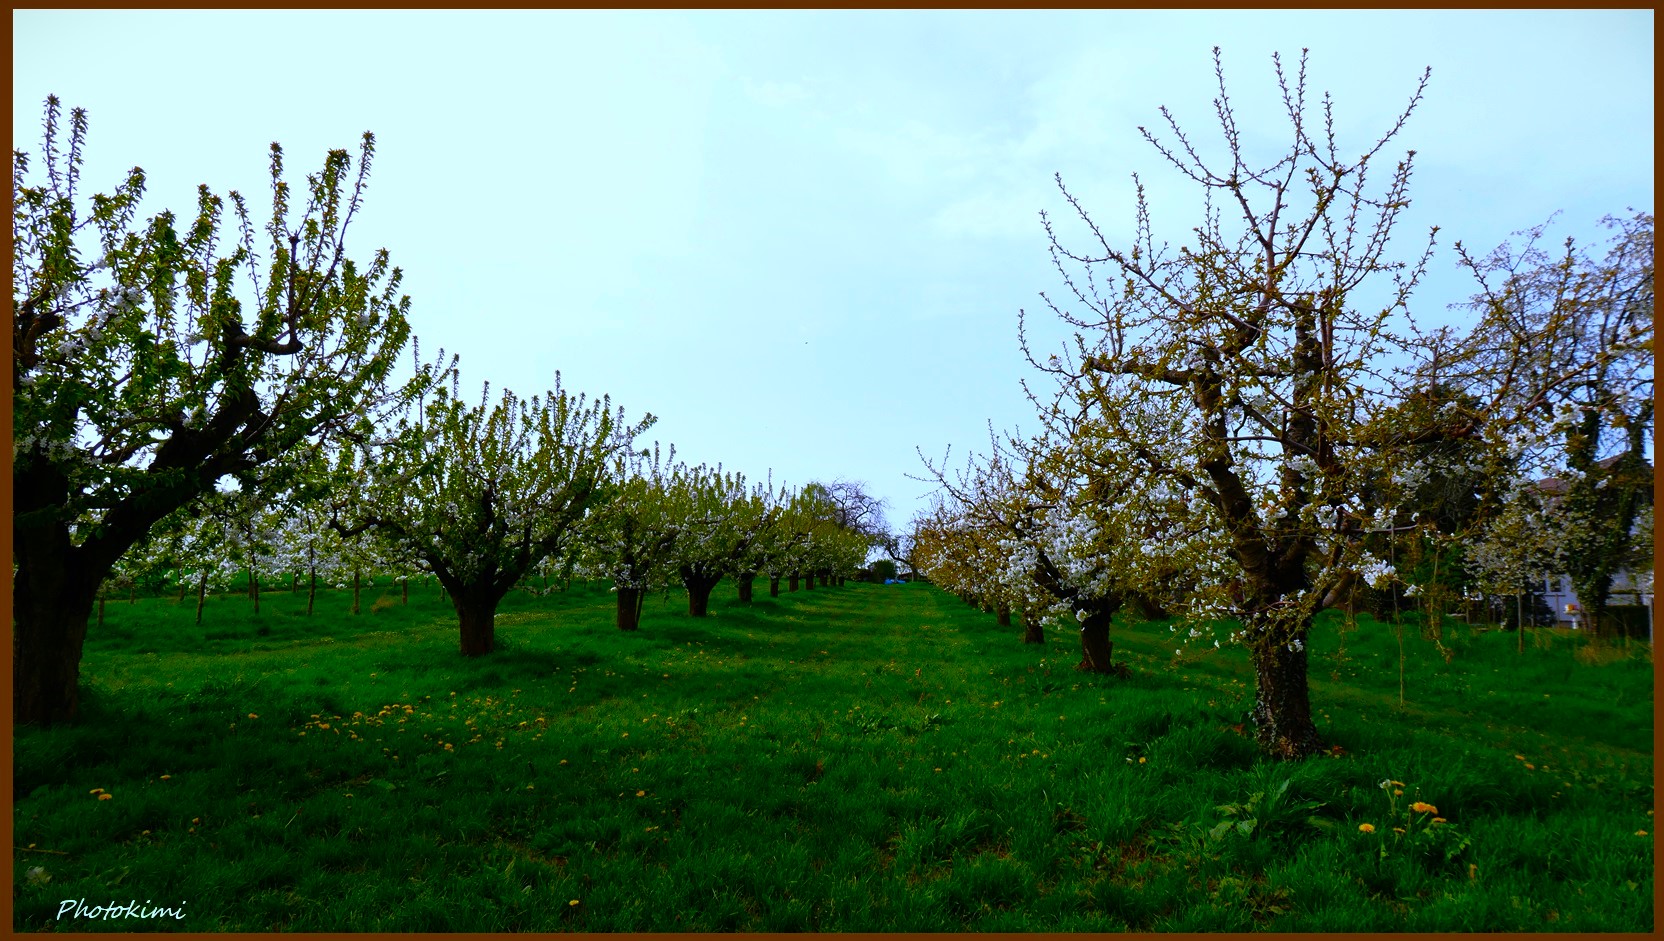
201 595
254 589
745 580
294 583
1002 615
182 589
809 580
699 593
791 583
311 592
1095 645
629 608
1033 633
841 580
101 593
479 627
1282 705
51 626
404 591
774 586
355 596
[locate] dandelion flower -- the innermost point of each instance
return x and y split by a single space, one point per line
1473 870
1142 759
1366 828
1640 833
1422 807
105 797
1398 792
253 716
167 777
641 793
1440 820
1530 767
96 790
1396 783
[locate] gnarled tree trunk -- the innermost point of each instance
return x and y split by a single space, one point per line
1095 645
699 587
52 601
1032 631
1282 707
745 579
774 586
629 608
479 627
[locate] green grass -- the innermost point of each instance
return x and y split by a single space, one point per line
865 758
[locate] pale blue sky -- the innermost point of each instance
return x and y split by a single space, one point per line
801 238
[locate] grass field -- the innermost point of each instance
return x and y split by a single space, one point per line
865 758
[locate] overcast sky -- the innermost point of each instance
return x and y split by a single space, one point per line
802 239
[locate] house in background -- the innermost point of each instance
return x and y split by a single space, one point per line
1627 588
1562 600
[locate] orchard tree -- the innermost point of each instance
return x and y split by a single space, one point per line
712 512
630 539
484 493
1263 337
152 359
765 538
1564 347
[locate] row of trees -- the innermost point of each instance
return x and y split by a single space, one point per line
208 396
1251 429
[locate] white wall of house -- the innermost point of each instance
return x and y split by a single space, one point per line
1562 600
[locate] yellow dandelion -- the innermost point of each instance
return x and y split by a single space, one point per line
1519 757
625 735
167 777
1640 833
1422 807
196 819
938 770
1473 870
1142 759
641 793
573 902
1398 829
1398 792
563 761
96 790
1530 767
253 716
105 797
1366 828
1396 783
1440 820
